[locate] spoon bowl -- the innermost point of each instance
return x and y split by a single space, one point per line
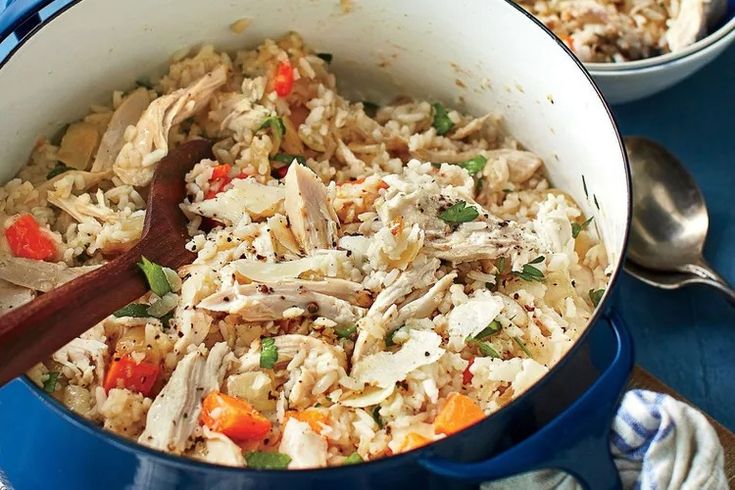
33 332
670 221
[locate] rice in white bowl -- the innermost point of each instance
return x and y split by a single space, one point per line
365 283
604 31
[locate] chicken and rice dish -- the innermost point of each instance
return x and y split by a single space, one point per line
604 31
368 279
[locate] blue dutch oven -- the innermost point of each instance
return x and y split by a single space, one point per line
60 56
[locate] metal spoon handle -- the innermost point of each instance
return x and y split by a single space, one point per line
708 276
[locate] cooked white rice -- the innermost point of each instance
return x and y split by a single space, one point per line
350 264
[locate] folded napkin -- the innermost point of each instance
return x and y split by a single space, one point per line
657 442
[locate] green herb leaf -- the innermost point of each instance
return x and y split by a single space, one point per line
389 338
166 319
577 228
529 272
459 212
596 295
133 310
261 460
59 169
155 276
474 165
276 125
353 458
487 350
522 346
376 416
500 264
493 327
49 386
370 108
268 353
345 332
326 57
288 158
441 122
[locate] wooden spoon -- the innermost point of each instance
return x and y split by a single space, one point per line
31 333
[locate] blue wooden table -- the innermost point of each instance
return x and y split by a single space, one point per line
687 337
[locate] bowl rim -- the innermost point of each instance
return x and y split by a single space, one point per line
188 463
725 34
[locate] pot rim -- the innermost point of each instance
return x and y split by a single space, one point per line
191 463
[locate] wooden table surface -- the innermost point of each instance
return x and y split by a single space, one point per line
645 380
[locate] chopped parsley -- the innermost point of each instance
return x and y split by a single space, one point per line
500 264
353 458
155 276
268 353
166 319
276 125
474 165
441 121
389 338
134 310
596 295
345 332
529 272
487 350
459 212
376 416
49 386
325 56
493 327
59 169
522 346
577 228
261 460
288 158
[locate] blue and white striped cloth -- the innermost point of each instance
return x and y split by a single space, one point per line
657 442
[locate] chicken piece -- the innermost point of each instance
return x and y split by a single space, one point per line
420 275
282 235
521 164
306 448
313 220
193 325
330 298
247 196
254 387
78 179
385 369
135 163
12 296
689 25
174 414
477 240
219 449
83 360
38 275
425 305
471 127
79 208
127 114
78 144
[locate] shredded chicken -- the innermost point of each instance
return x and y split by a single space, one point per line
38 275
174 414
219 449
136 161
246 196
306 448
12 295
82 360
313 220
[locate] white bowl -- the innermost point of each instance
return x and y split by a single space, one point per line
632 80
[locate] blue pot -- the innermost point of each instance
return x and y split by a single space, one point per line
561 422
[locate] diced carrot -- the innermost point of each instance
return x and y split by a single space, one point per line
283 81
26 239
233 417
458 412
383 184
467 374
124 372
311 416
414 440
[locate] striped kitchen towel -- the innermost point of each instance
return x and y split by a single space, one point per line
657 442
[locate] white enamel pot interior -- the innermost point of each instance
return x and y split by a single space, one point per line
477 55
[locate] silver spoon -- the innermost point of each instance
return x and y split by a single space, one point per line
670 222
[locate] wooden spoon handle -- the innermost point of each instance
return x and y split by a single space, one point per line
27 333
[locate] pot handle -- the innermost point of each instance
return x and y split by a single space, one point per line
17 13
577 441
